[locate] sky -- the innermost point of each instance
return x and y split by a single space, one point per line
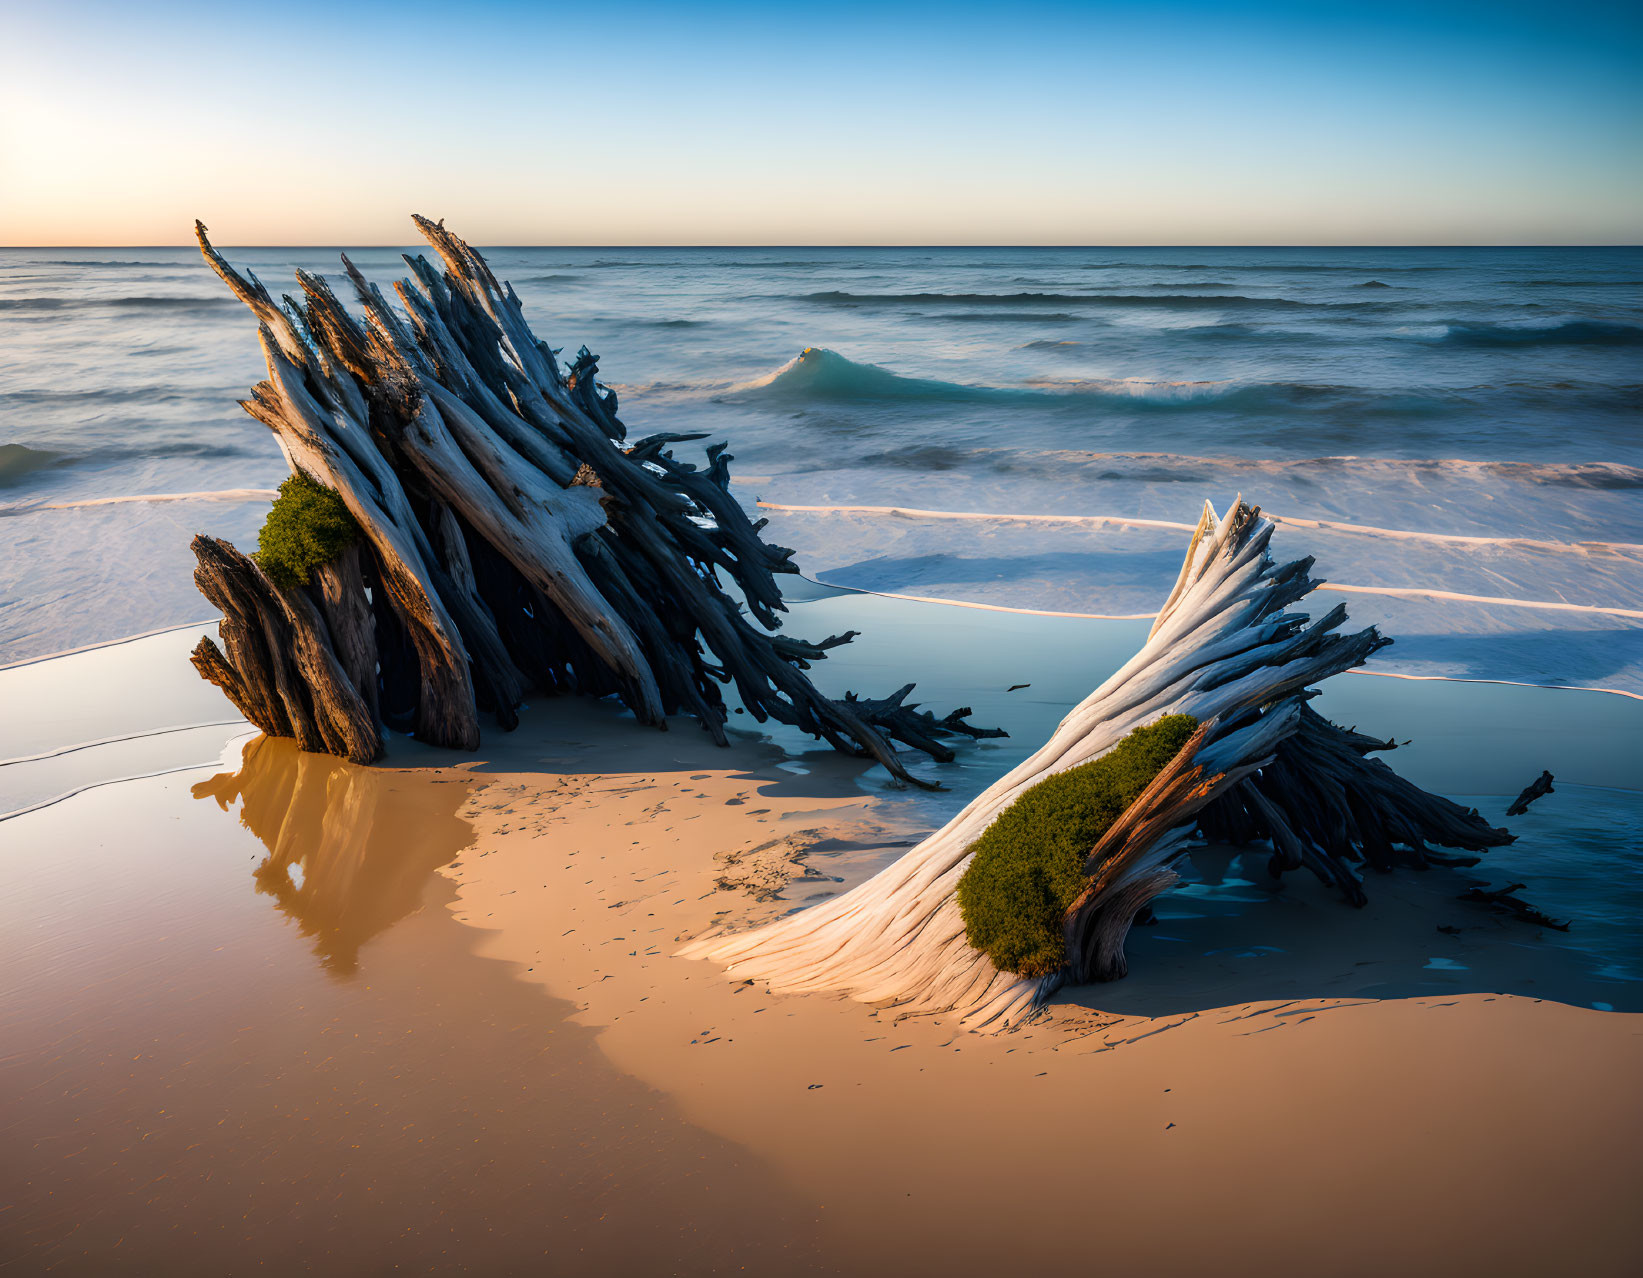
961 123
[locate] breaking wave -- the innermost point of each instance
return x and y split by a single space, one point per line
821 374
1571 333
19 460
816 373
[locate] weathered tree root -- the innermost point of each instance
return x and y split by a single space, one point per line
280 668
1541 785
1505 901
1323 804
918 728
1261 765
510 541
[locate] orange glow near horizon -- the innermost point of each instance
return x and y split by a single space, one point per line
123 128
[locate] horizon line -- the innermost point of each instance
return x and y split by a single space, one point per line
361 244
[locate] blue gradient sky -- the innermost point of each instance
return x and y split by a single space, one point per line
308 123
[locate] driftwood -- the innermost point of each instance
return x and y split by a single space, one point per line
918 728
1225 649
1539 786
1505 901
279 664
512 540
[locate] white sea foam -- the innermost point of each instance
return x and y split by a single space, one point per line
1137 388
989 607
913 512
818 373
220 494
1096 521
1507 683
1527 609
1492 601
1490 455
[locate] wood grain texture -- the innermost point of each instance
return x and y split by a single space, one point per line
1226 649
513 540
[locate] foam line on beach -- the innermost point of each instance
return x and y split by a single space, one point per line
1460 539
1395 591
913 512
97 785
1294 521
108 643
1148 616
221 494
987 607
1506 683
1493 601
130 736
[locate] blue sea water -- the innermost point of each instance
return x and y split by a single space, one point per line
1472 414
1458 427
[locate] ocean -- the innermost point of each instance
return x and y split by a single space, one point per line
1454 433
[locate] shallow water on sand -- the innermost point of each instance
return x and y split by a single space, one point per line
1578 849
249 1025
245 1026
252 1038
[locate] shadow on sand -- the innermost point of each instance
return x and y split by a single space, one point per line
350 850
1233 935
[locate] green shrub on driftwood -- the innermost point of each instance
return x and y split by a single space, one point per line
307 526
1028 866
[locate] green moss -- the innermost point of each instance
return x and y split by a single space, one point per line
1029 863
308 525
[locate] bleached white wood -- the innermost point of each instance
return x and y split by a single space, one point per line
1220 650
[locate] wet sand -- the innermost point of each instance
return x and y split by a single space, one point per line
209 1071
285 1014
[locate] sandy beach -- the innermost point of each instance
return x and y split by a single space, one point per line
284 1011
926 641
1221 1103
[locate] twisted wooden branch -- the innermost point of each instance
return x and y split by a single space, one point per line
1260 765
512 541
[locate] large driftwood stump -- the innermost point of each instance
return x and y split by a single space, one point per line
1538 788
279 663
512 539
1226 649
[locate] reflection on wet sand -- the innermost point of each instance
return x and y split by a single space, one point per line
522 1079
350 849
185 1091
